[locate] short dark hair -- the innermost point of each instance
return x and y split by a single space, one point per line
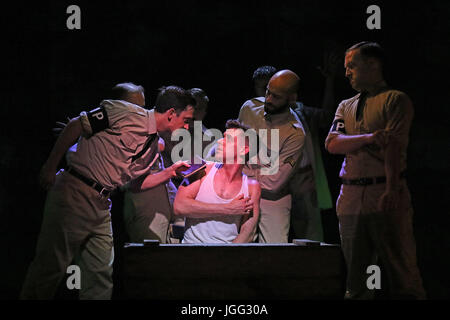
173 97
370 50
198 94
121 90
264 72
236 124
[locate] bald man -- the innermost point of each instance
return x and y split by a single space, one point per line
276 116
130 92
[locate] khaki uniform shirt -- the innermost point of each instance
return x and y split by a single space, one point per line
112 156
291 140
388 109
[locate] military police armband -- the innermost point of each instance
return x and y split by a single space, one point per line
98 119
338 125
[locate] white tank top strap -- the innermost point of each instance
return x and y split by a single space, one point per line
214 169
207 187
245 185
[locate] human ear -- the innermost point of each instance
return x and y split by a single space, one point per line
170 114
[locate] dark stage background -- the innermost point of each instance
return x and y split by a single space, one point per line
50 72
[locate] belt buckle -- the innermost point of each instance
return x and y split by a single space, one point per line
362 181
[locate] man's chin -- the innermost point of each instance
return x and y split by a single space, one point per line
275 110
355 86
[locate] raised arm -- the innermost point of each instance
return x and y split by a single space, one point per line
66 139
331 61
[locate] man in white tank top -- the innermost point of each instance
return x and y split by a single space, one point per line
222 206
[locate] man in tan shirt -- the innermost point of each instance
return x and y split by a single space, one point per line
374 206
276 116
117 142
148 213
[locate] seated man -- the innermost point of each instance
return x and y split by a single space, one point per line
222 206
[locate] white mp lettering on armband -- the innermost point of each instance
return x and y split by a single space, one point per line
98 115
338 125
98 119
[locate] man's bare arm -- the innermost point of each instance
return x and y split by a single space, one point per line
248 227
66 139
392 164
186 205
153 180
343 144
389 199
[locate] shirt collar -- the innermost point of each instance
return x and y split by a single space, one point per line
151 121
380 87
279 118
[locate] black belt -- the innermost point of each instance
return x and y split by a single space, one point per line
91 183
268 195
367 181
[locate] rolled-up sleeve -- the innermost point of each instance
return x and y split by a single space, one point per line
243 112
97 119
85 125
338 125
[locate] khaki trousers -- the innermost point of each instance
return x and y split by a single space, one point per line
76 227
274 221
368 235
306 220
147 214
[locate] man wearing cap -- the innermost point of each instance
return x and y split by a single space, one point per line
374 206
117 143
